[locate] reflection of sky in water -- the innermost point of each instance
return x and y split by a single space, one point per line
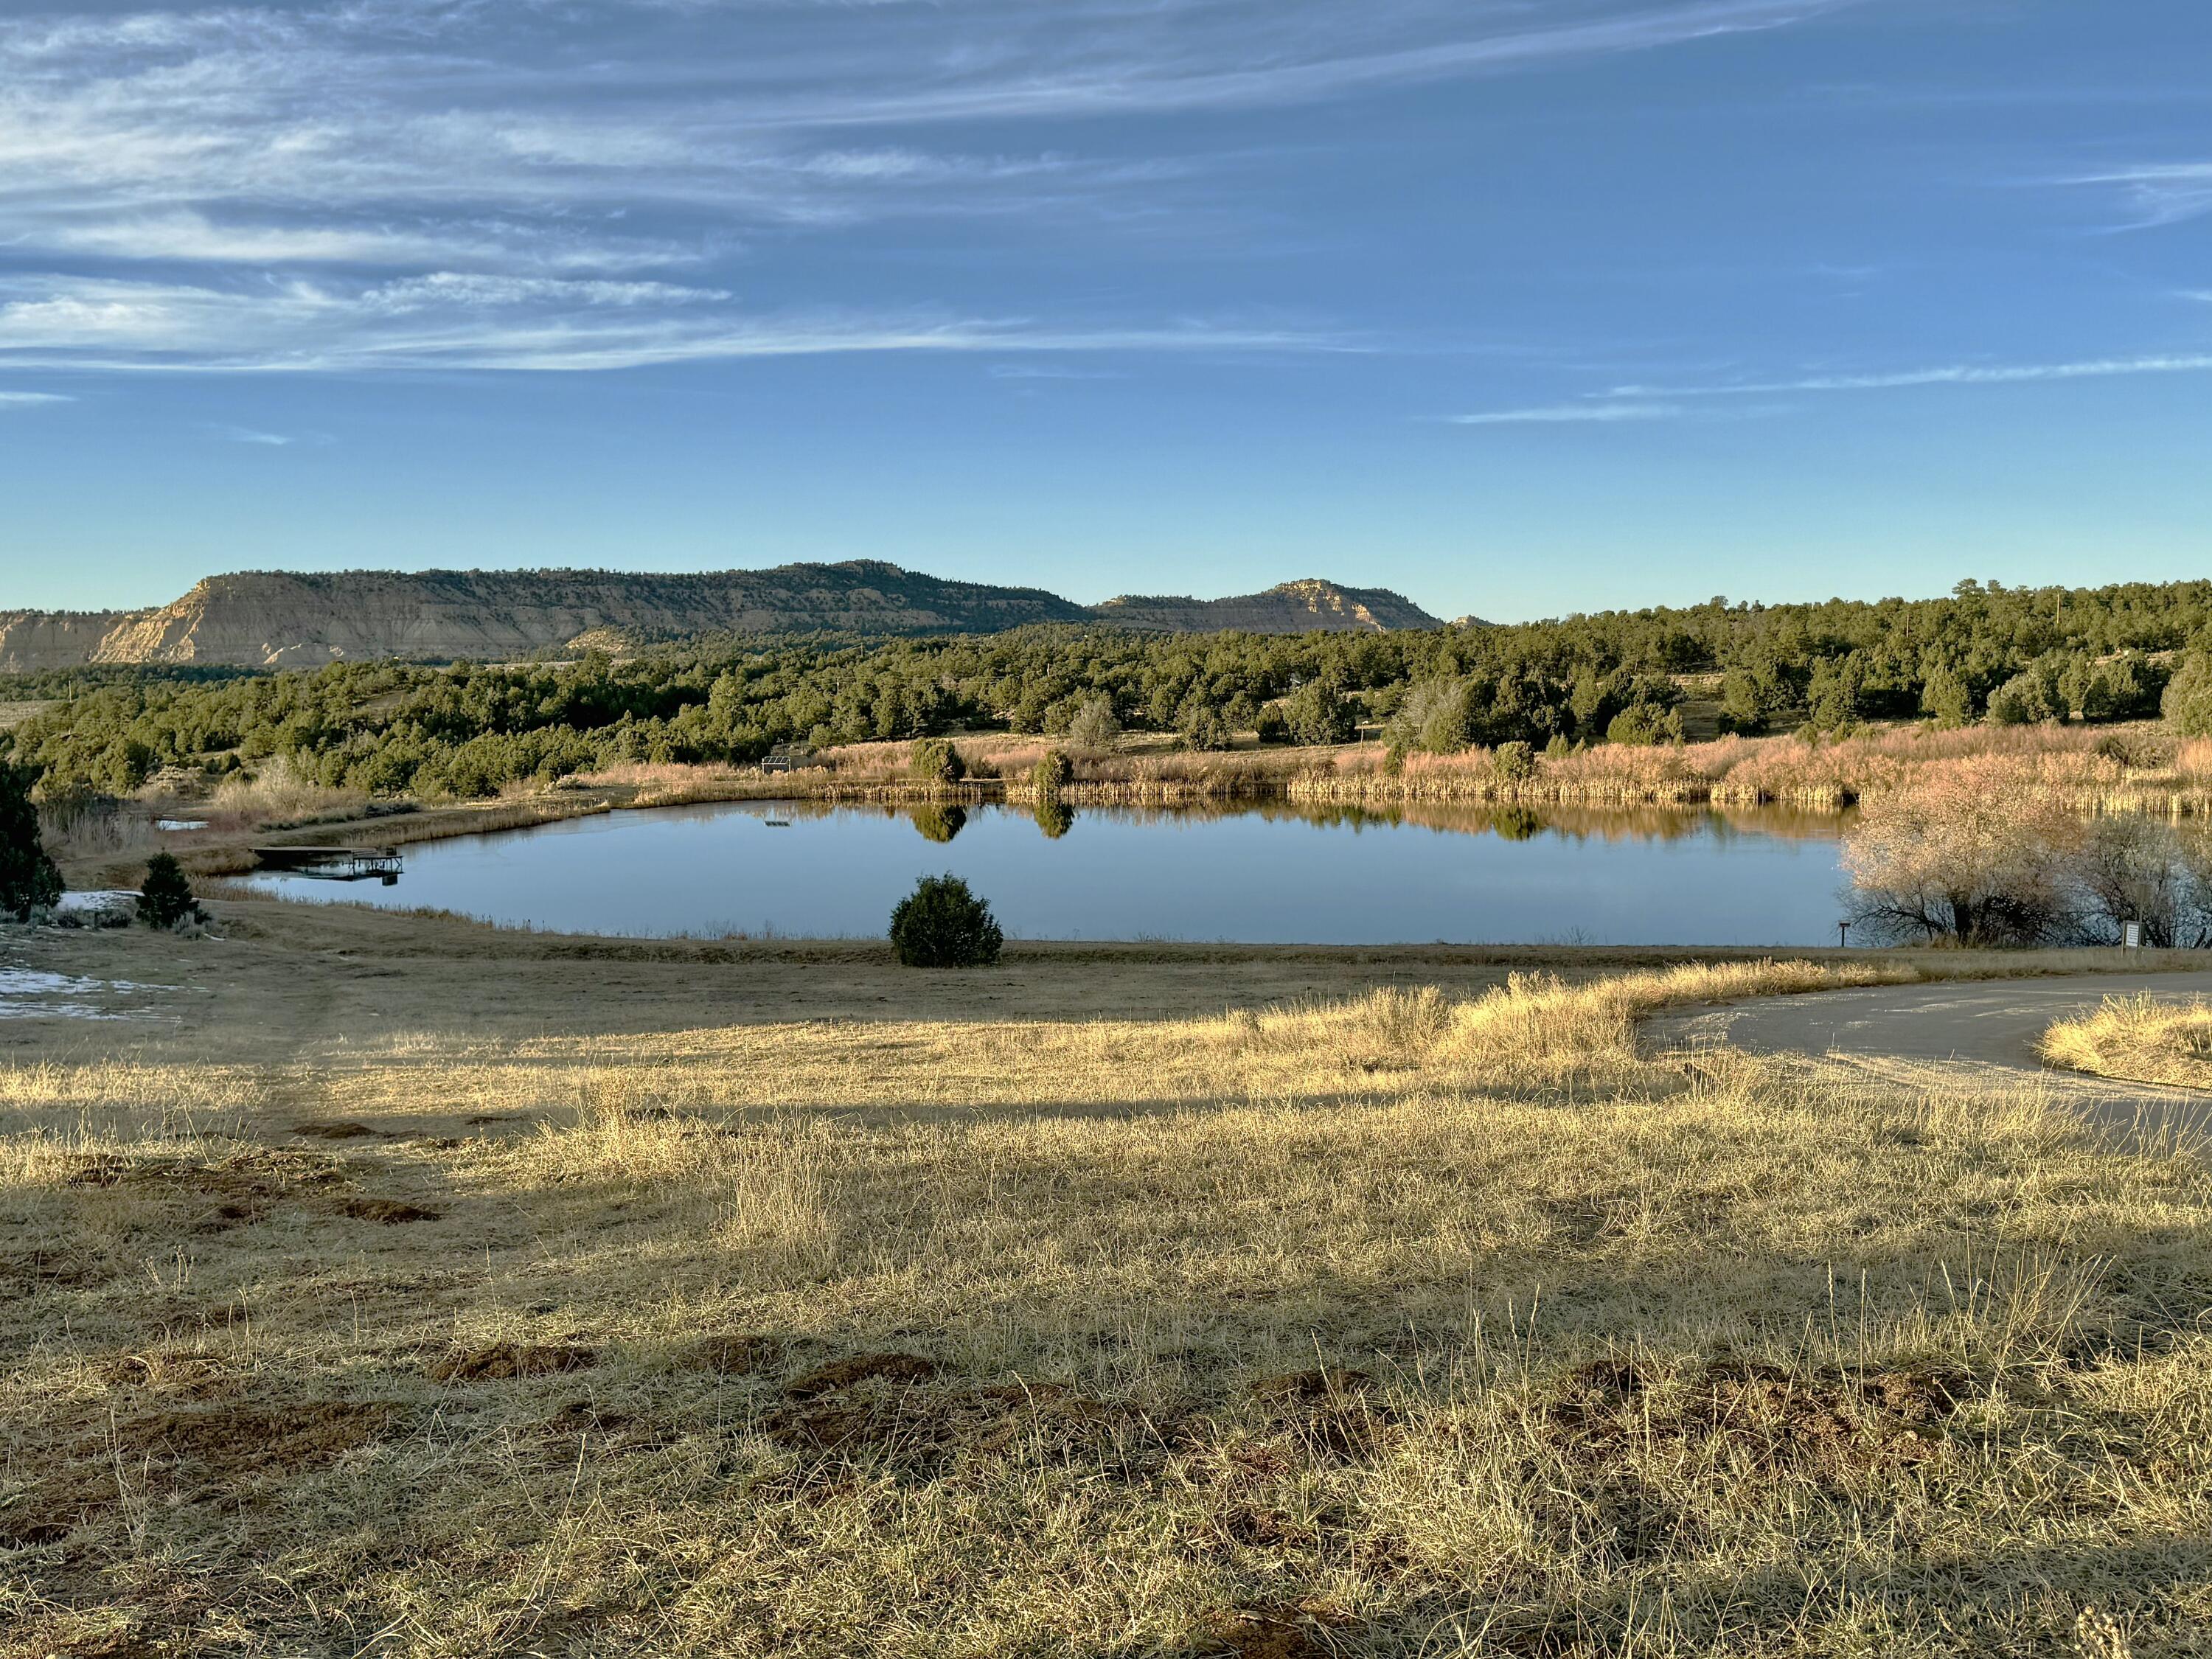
1274 876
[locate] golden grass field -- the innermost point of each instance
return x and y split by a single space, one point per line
397 1286
2149 1039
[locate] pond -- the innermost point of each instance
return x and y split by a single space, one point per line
1275 874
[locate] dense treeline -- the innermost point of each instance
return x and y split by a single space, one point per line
1985 652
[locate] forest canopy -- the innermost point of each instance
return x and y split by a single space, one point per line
1985 652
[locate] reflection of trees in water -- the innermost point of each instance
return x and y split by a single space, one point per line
1518 823
1981 856
1054 816
940 824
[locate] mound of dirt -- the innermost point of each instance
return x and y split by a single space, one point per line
1782 1421
1299 1632
922 1431
189 1374
1325 1384
856 1368
223 1193
504 1361
389 1210
234 1442
333 1130
734 1355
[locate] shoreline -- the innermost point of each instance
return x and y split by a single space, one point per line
2086 770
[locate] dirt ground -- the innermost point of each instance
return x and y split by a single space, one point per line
301 981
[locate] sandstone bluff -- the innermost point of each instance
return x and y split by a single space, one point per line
265 619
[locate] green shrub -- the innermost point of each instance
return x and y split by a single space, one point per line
1640 724
166 900
943 925
936 761
1202 727
1095 725
2188 702
1318 713
1053 773
1513 761
28 879
1945 698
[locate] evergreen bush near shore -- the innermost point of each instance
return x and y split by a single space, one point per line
941 924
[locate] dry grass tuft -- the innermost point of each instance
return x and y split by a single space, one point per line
2147 1038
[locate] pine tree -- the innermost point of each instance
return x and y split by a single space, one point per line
167 898
28 879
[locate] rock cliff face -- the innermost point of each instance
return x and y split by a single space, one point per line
32 641
270 619
1292 608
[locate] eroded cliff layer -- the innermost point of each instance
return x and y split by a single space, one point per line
265 619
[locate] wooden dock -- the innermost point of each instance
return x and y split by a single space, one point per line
332 863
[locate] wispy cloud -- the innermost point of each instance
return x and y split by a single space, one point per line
1052 372
455 321
2164 194
2093 368
30 399
246 434
1585 414
167 173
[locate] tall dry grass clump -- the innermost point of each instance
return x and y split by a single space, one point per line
1534 1029
277 791
2147 1038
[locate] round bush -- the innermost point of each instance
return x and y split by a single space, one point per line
935 761
943 925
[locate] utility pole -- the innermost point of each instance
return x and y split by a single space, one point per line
1842 935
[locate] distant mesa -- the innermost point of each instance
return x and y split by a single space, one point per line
1291 608
280 619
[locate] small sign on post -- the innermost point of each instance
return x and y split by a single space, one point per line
2131 936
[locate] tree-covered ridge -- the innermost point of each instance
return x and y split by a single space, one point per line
1987 652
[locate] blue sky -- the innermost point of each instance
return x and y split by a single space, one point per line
1519 307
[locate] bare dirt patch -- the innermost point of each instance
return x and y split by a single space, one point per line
1274 1632
856 1368
735 1356
1778 1421
505 1361
219 1194
188 1375
333 1130
390 1212
229 1443
895 1417
1327 1382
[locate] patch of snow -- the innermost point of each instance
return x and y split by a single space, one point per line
181 824
27 993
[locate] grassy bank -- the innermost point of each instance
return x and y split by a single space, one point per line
2147 1038
1097 1305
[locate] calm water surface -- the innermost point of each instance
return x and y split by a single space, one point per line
1269 875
